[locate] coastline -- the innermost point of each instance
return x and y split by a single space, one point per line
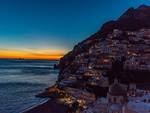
50 106
34 106
83 76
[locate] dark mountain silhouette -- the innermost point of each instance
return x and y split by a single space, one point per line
132 19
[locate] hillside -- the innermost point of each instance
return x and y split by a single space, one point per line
128 37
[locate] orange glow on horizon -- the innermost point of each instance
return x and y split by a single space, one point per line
30 55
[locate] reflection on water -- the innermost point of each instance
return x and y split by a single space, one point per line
20 80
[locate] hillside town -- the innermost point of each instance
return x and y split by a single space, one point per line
133 46
89 90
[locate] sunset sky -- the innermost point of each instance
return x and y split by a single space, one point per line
47 29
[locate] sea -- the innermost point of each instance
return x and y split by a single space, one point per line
21 80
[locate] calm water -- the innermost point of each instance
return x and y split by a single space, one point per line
20 80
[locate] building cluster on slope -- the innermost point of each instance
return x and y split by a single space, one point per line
122 99
89 68
134 46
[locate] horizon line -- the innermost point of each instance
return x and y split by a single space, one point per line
32 58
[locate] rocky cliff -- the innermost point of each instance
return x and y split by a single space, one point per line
91 60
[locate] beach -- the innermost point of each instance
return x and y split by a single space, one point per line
51 106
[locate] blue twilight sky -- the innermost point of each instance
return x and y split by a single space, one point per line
55 25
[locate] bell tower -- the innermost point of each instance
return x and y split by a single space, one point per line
116 97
